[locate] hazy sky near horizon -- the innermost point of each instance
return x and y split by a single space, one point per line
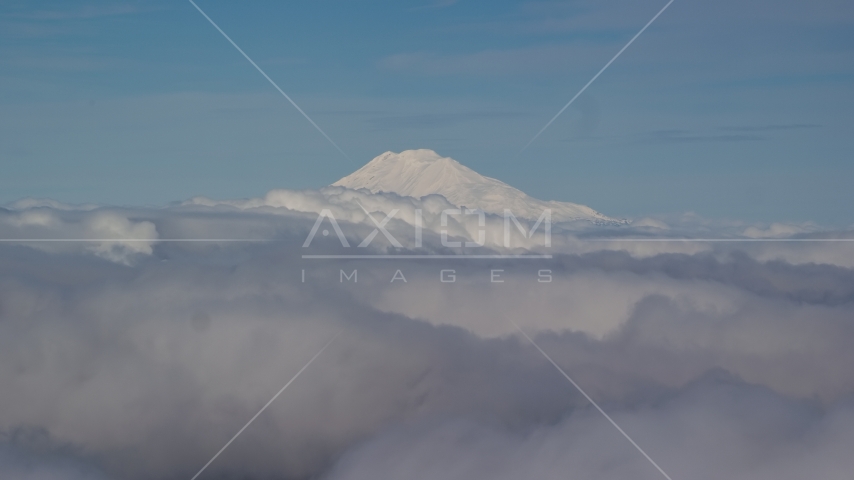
738 109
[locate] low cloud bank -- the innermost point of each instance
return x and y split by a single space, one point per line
714 428
137 357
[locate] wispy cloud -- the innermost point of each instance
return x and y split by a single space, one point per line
86 12
771 127
743 133
515 61
435 120
687 136
436 4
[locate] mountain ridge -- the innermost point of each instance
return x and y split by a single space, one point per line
422 172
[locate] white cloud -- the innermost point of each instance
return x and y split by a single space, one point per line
778 230
145 365
59 229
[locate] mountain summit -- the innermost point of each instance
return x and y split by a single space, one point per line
417 173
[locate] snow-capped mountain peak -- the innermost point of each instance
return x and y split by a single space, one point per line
417 173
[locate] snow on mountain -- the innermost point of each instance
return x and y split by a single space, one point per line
418 173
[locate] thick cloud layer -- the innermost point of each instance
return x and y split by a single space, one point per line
135 357
714 428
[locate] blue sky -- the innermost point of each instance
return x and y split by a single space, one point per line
735 109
